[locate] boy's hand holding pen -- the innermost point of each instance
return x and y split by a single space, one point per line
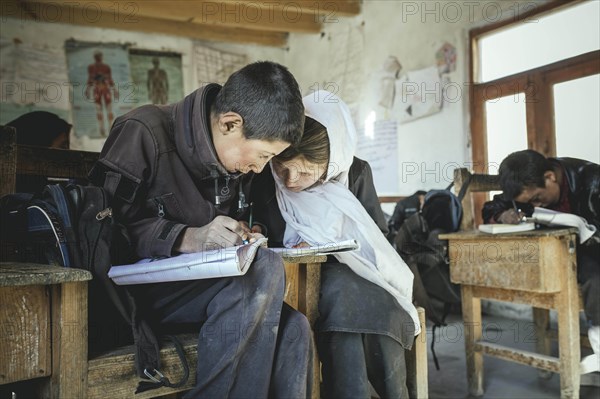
512 216
251 233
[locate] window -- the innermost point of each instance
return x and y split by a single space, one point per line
536 85
538 41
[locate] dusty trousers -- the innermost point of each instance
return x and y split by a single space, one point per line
250 344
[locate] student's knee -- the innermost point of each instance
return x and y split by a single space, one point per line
297 328
267 271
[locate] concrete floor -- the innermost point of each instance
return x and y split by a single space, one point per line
502 379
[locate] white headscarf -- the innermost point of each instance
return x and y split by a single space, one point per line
330 212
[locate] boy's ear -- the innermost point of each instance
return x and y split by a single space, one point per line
229 122
550 175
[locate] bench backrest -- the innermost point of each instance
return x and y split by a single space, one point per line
19 160
473 200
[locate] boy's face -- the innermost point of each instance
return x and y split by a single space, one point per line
298 174
541 196
236 152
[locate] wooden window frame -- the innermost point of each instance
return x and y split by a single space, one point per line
537 85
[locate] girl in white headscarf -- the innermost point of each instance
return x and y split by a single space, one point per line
325 194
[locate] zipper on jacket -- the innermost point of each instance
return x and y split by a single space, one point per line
104 213
100 216
161 207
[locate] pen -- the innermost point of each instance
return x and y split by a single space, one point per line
246 241
523 218
250 217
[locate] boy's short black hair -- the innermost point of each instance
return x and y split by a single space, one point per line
268 98
523 169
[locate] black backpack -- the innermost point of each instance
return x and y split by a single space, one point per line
73 226
426 255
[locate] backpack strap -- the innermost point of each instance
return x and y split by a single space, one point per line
463 189
158 379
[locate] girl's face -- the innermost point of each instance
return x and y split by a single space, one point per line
298 174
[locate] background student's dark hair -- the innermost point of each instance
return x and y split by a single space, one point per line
268 98
314 145
522 169
42 129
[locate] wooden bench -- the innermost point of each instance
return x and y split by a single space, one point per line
536 268
37 347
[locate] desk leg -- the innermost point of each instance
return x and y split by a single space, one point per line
471 308
541 319
69 340
569 349
303 283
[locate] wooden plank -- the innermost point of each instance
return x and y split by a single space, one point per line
393 200
8 160
69 340
520 264
329 9
568 319
54 162
24 333
32 10
303 283
460 178
113 375
260 16
416 362
481 182
292 289
527 358
471 309
476 234
540 300
22 274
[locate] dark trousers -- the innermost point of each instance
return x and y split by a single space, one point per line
351 360
588 275
250 344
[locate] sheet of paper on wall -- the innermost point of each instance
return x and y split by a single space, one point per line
418 94
378 145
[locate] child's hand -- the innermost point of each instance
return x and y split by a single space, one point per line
510 217
252 237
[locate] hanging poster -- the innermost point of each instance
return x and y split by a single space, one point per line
157 76
102 85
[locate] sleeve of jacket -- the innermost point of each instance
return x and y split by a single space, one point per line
126 169
362 186
492 209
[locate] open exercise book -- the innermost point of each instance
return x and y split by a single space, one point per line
499 228
324 249
546 217
225 262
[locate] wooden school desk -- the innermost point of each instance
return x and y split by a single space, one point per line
537 268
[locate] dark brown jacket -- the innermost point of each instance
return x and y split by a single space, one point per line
161 168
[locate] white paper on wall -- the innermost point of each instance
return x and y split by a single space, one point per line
380 148
418 94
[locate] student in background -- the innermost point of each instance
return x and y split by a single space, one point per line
569 185
178 176
317 193
39 129
42 129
